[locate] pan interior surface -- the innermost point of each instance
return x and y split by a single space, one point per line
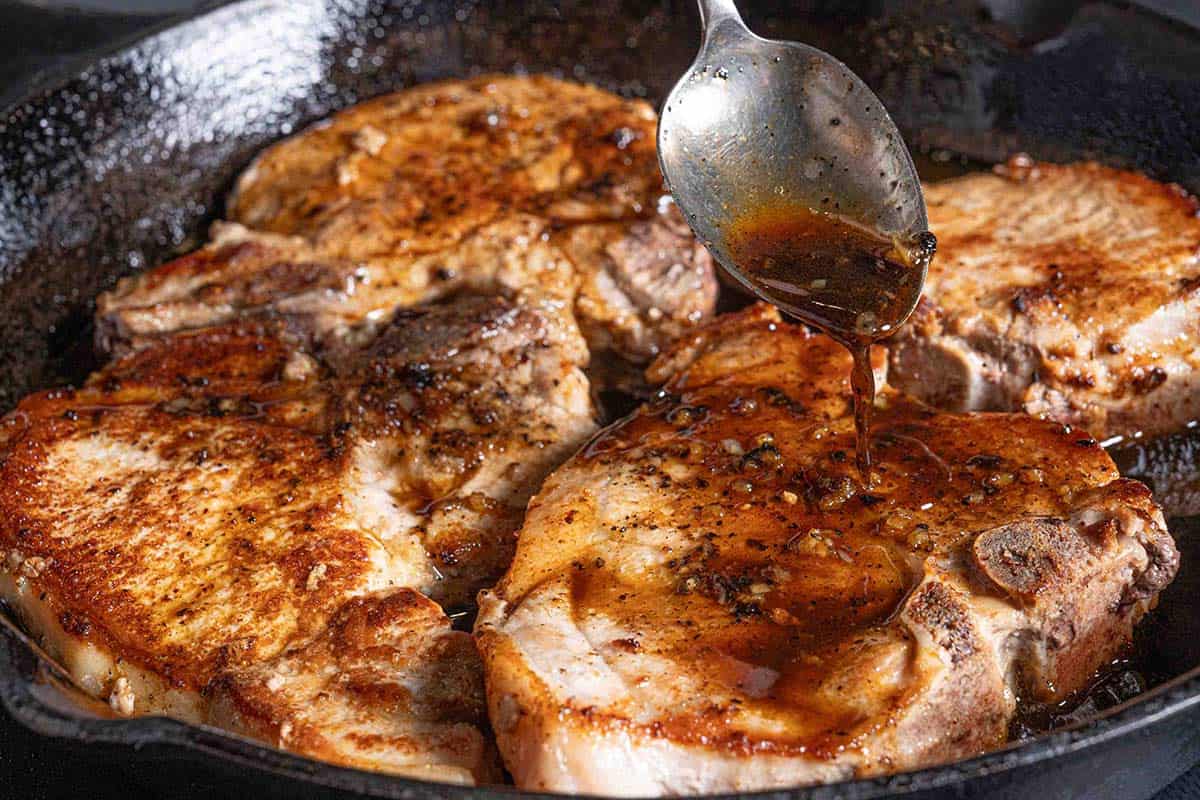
123 165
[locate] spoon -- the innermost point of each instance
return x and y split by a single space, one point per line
759 124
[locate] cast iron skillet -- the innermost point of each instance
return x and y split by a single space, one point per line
123 165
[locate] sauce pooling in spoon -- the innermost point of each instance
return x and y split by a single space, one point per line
850 282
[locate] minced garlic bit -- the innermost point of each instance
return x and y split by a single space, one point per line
370 139
121 698
315 576
347 172
1032 475
999 480
299 367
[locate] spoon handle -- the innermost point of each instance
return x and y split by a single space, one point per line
713 11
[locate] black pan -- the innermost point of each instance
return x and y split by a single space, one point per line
123 165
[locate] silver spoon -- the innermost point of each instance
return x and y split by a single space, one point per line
757 122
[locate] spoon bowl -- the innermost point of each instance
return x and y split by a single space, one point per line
757 124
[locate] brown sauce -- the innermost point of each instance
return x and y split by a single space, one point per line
850 282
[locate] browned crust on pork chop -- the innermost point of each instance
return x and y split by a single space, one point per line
93 485
1071 291
415 171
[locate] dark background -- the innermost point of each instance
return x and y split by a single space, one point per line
38 40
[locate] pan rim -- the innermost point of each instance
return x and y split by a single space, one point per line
19 682
52 79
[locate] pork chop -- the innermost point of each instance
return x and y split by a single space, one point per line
705 599
386 686
489 185
221 508
1070 291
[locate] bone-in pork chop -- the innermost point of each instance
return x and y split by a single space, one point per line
223 516
1071 291
488 185
705 600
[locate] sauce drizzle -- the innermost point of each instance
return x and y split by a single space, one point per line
850 282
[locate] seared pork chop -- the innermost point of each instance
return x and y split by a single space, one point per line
386 686
489 185
705 599
223 508
1070 291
